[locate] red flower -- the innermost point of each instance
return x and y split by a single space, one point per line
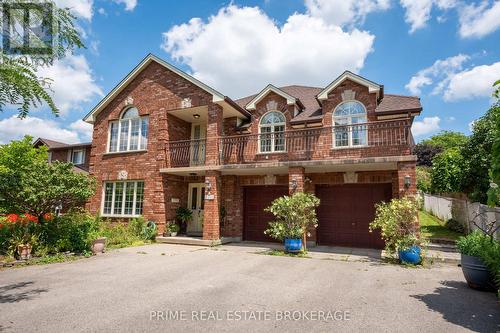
48 216
12 218
31 218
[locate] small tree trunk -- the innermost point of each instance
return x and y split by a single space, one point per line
305 241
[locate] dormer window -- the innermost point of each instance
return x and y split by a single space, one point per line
272 132
349 125
130 133
77 156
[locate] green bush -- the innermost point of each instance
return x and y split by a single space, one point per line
68 232
137 231
396 221
294 215
472 244
143 229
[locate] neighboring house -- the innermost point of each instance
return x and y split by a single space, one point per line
162 139
78 154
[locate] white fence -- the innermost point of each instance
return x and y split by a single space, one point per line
462 211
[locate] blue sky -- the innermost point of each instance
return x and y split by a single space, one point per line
445 51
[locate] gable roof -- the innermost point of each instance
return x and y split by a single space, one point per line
372 86
290 100
217 97
399 103
51 144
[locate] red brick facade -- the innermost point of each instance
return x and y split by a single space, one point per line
156 91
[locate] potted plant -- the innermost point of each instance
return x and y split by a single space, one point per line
183 215
475 271
24 234
174 229
294 215
397 223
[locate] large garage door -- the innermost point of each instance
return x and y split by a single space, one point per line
256 219
346 211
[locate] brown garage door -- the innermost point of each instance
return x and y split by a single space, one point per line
256 219
346 211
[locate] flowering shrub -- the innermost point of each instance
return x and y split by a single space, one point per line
17 230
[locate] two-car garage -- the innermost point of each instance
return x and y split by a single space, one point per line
343 216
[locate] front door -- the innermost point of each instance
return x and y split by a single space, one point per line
196 203
198 143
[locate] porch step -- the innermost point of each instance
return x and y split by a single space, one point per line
442 241
442 247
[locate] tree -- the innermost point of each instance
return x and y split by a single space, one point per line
423 178
494 191
19 83
496 93
478 152
447 139
29 184
425 153
447 171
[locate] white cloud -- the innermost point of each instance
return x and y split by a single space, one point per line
425 126
341 12
129 4
418 12
83 129
72 83
80 8
243 42
102 11
479 20
440 70
14 128
472 83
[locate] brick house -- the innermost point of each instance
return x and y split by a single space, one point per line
78 154
162 139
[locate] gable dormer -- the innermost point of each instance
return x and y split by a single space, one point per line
347 75
290 100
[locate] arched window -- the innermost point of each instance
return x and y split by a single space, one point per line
272 132
349 125
129 133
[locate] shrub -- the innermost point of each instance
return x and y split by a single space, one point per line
447 171
423 179
173 227
143 229
294 215
396 220
471 244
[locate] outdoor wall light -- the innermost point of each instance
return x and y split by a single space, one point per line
293 184
208 185
407 181
196 116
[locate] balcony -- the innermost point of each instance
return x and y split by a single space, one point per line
363 140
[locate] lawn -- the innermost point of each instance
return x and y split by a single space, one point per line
432 227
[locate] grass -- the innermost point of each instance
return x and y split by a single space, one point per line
432 227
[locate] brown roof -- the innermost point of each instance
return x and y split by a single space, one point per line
51 144
394 103
312 111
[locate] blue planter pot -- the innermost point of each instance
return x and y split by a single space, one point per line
293 245
410 256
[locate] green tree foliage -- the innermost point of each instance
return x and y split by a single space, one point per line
494 191
28 184
423 179
20 84
447 139
447 171
478 152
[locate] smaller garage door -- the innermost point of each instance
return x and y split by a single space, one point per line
346 211
256 219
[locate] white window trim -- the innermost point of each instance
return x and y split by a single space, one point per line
71 153
273 138
119 129
349 126
123 215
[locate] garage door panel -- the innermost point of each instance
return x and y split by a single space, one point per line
256 220
346 211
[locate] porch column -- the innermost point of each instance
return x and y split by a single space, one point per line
211 214
214 132
296 179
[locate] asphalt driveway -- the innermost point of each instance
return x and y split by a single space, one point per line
183 288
